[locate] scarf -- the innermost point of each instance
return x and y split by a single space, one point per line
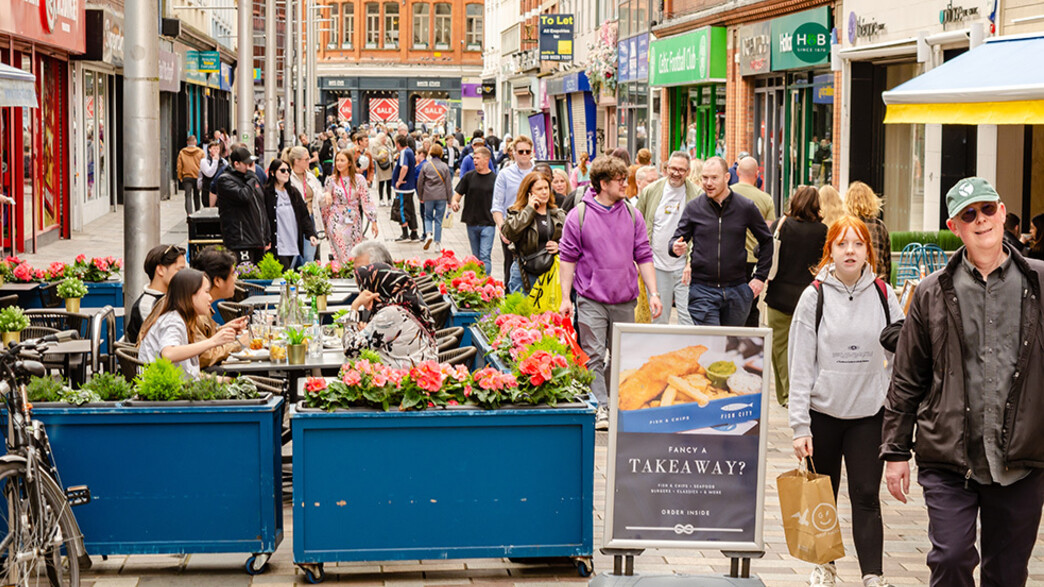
394 287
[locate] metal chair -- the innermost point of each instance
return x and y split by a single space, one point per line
8 301
934 257
905 273
439 313
130 365
462 356
231 310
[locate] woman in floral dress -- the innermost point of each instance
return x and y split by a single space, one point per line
346 204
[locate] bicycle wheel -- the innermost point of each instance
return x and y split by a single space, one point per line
40 546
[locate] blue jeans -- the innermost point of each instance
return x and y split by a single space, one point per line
514 279
433 213
719 306
481 238
307 250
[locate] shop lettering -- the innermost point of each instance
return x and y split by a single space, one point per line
868 29
756 45
686 467
684 60
952 14
429 84
692 450
685 512
67 8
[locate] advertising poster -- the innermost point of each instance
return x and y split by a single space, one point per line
556 37
687 437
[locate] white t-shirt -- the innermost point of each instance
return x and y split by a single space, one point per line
169 330
665 222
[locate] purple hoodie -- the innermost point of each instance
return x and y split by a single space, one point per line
603 254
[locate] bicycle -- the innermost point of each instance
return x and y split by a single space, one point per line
42 543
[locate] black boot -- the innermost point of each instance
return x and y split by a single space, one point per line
405 236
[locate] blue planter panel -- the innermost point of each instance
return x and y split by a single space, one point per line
443 484
173 480
463 318
483 358
101 294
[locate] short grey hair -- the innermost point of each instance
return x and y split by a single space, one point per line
376 251
644 171
681 155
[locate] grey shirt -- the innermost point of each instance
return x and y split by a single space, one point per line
991 319
286 226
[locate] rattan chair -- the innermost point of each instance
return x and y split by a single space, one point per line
462 356
268 384
253 289
130 365
231 310
8 301
454 331
59 320
439 313
447 343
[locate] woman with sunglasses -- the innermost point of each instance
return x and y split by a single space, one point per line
290 224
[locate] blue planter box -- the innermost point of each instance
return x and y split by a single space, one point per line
465 318
104 293
452 483
173 479
264 282
483 358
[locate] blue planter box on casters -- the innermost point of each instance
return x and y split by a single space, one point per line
174 479
440 484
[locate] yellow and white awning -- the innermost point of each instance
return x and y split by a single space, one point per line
999 82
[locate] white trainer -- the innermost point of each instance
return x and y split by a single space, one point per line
823 575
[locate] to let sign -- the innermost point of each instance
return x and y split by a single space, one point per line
344 109
556 37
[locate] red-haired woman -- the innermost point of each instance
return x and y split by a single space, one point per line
839 375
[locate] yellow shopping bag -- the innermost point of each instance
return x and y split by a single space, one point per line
547 291
810 521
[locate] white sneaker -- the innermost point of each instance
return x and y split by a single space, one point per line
875 581
602 418
823 575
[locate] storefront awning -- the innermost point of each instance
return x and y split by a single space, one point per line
17 88
990 84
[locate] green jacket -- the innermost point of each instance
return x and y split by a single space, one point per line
649 200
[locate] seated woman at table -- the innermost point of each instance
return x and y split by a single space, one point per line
400 329
219 265
369 252
166 333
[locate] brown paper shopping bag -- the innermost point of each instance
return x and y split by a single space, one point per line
810 516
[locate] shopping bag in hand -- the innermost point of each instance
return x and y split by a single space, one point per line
810 520
447 221
546 294
574 345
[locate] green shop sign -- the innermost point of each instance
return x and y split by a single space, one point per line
693 58
801 39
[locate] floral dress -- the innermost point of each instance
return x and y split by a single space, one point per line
343 218
396 335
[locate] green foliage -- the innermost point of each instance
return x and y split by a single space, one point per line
109 387
241 388
292 277
45 389
296 335
370 355
80 397
13 319
202 389
160 380
71 287
517 303
944 238
269 267
317 285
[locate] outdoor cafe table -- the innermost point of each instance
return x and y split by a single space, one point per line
329 360
337 284
335 298
65 351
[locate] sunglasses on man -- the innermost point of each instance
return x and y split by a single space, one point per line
971 213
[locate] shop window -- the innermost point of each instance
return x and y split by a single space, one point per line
391 25
333 40
348 38
624 28
473 32
421 25
443 25
373 25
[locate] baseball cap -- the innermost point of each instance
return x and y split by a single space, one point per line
969 190
241 155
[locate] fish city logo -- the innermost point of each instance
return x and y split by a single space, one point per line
823 518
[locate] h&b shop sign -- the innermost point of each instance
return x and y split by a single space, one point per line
692 58
801 39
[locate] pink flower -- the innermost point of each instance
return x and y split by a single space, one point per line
351 377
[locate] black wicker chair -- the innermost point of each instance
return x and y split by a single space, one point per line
268 384
231 310
461 356
8 301
129 362
49 295
59 320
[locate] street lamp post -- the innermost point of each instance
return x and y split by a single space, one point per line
311 48
288 72
245 74
270 76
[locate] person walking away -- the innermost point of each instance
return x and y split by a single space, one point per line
661 204
346 207
863 203
241 209
967 390
747 172
327 150
830 204
603 236
364 163
289 221
505 191
581 173
385 161
476 189
307 184
189 159
434 189
404 178
492 141
161 263
721 290
801 235
219 266
642 158
210 167
839 375
534 226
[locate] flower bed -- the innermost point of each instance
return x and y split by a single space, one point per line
464 281
93 270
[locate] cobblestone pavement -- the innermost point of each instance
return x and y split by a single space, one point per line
906 542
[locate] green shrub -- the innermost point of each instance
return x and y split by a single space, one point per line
944 238
45 389
269 267
13 319
202 389
160 380
71 287
241 388
110 387
80 396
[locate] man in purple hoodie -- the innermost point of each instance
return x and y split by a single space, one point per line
602 239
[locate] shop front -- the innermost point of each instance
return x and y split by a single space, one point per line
207 96
429 104
573 117
691 67
34 142
636 122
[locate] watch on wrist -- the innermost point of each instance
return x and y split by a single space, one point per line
654 295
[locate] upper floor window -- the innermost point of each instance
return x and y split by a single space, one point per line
421 25
391 25
443 25
348 36
334 27
473 31
373 25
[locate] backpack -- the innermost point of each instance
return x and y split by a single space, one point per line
582 209
383 158
882 293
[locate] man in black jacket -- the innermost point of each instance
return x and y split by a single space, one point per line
241 208
968 379
721 291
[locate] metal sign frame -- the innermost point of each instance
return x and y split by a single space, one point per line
694 333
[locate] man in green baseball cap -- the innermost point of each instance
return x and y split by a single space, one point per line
969 373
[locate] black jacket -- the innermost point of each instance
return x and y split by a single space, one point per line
305 224
241 208
800 249
928 387
719 240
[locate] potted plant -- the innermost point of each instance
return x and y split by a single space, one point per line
318 286
295 344
269 267
72 290
12 322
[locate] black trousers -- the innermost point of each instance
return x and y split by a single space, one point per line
1010 518
404 212
755 315
384 190
857 442
192 195
509 259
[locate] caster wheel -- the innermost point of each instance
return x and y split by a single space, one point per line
584 568
314 573
257 564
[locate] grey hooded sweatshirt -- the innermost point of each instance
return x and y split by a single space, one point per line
843 371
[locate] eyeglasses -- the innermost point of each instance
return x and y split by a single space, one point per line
970 214
283 170
620 179
523 151
678 170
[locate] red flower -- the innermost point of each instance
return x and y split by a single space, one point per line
314 384
81 258
428 376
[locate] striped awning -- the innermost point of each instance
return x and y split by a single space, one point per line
17 87
998 82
